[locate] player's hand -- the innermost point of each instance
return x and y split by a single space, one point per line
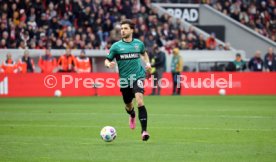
111 65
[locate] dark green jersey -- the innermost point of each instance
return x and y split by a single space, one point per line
127 55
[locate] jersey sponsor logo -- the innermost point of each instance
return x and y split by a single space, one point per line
128 56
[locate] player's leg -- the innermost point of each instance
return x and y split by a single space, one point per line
142 111
143 115
128 97
132 117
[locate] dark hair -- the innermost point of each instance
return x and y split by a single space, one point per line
129 22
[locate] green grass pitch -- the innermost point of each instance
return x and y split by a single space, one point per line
190 128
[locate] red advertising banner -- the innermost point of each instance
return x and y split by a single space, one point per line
107 84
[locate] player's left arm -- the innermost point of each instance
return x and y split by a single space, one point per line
145 58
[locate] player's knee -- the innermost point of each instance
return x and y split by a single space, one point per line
140 102
129 106
139 99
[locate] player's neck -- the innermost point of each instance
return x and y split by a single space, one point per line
129 39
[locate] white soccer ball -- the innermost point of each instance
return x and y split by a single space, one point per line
57 93
222 92
108 133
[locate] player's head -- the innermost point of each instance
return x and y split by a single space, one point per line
127 28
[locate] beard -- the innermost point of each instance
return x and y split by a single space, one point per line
125 36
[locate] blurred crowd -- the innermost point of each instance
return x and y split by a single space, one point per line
259 15
90 24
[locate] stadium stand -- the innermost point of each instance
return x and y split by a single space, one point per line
85 24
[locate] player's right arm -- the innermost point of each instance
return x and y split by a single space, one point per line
109 63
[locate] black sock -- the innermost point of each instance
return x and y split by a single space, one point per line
131 112
143 117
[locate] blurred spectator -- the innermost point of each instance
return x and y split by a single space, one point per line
211 42
26 63
220 47
107 28
270 60
83 64
47 63
65 21
58 44
191 41
3 44
256 63
158 63
149 42
201 44
240 65
9 66
115 34
227 46
176 68
66 62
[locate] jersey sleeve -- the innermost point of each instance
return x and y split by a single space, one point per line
112 52
143 48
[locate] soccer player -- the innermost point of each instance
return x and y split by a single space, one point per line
128 53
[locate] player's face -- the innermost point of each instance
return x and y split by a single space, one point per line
126 31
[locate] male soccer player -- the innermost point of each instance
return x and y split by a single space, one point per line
127 53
